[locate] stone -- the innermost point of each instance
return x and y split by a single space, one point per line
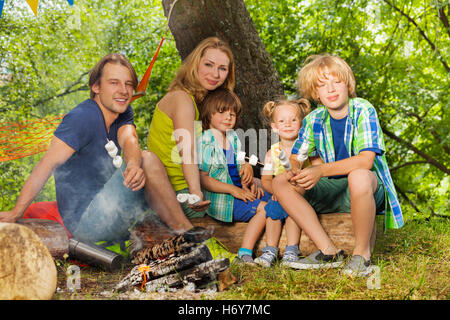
27 269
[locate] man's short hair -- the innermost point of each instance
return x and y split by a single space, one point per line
115 58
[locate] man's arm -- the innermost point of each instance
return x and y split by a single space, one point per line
58 153
134 178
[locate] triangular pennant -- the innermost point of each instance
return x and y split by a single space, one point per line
33 5
70 2
2 2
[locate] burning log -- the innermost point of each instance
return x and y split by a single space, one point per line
143 272
175 245
198 274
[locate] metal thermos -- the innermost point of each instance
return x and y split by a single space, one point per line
95 255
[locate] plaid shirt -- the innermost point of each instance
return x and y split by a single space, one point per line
213 161
362 130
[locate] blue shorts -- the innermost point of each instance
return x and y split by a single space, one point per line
244 211
275 211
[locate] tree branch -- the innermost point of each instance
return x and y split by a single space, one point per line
422 33
444 19
68 90
410 146
403 194
408 164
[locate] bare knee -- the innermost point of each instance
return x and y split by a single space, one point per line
151 162
361 182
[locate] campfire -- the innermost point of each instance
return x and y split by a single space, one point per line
176 262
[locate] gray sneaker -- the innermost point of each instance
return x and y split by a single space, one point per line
289 257
358 266
267 258
318 260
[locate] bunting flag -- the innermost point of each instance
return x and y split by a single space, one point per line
33 5
2 2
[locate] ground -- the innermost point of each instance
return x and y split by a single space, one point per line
413 264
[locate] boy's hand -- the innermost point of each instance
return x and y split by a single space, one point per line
243 194
308 178
246 173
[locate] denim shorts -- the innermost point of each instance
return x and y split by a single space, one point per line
275 211
112 212
244 211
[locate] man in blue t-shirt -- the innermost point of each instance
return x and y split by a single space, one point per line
96 200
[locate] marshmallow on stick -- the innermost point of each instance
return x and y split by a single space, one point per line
303 152
117 161
253 160
284 160
191 199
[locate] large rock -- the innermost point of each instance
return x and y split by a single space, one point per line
27 270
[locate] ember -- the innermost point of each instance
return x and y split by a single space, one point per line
174 263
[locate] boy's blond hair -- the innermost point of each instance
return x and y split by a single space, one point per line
187 76
314 69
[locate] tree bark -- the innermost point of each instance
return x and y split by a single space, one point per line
256 79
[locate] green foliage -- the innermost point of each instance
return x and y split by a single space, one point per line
398 51
396 69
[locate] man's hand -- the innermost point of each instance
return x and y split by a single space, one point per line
9 216
308 177
134 177
246 174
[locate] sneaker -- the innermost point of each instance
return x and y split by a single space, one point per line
358 266
318 260
247 259
267 258
289 257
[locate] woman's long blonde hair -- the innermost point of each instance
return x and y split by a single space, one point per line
187 76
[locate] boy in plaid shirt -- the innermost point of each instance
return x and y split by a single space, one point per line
349 172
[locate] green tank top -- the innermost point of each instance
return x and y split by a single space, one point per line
161 141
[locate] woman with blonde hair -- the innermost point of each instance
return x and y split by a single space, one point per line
175 126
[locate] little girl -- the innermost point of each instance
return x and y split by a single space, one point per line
285 119
231 199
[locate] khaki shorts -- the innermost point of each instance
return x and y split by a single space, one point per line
333 195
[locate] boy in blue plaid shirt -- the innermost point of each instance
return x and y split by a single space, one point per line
349 172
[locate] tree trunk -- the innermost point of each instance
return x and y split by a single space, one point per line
256 79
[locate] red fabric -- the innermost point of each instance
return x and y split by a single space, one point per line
45 210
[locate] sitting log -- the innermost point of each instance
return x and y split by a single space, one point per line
338 226
51 233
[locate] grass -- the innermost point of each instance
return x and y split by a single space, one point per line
413 264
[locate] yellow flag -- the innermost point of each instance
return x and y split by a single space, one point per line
33 5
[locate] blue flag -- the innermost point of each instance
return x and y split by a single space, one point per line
2 2
70 2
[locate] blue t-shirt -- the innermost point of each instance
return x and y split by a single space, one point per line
83 175
232 167
338 132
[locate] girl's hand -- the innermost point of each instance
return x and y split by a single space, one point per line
242 194
256 190
246 173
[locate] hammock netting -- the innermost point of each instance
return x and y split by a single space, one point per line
29 137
